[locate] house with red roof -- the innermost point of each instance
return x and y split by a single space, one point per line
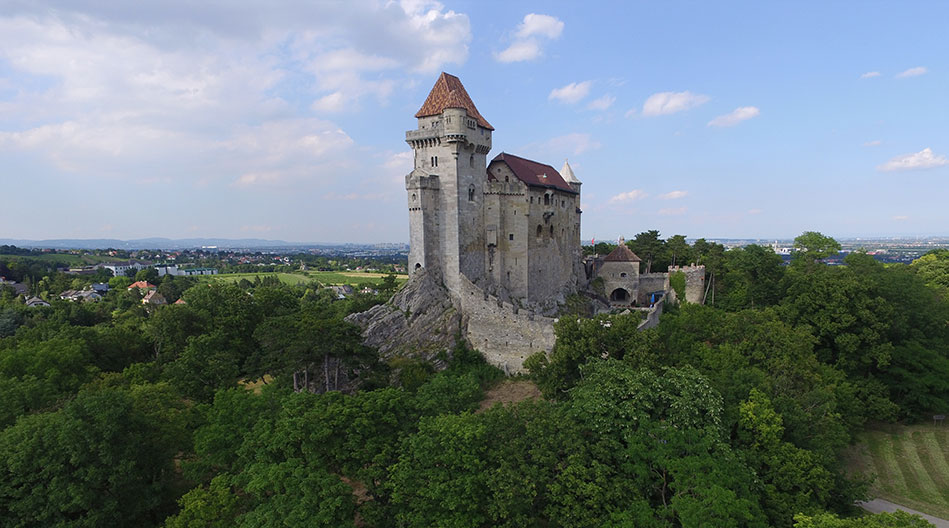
142 285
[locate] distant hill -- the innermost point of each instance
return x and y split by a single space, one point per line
148 243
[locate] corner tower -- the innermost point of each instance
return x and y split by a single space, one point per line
446 187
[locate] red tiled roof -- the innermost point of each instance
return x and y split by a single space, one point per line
622 254
532 173
448 92
142 284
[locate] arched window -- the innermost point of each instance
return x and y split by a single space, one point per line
417 266
546 199
471 161
551 230
471 190
414 197
540 230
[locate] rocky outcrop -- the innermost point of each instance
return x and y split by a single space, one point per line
419 321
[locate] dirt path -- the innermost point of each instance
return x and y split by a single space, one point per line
880 505
509 391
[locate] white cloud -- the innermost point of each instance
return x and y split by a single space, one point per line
664 103
543 25
571 93
673 195
523 50
601 103
874 143
630 113
736 116
527 38
870 75
912 72
755 211
901 218
401 161
673 211
629 196
924 159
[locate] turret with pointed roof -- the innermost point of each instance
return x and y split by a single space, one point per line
567 173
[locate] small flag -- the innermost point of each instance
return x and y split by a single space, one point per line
593 241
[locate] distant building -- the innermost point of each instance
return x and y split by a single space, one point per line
33 302
80 296
142 285
175 271
100 287
18 287
119 269
154 298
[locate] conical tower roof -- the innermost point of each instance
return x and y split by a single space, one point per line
567 173
448 92
622 254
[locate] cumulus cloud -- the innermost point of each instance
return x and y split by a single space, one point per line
629 196
673 195
157 94
664 103
924 159
912 72
530 33
542 25
571 93
630 113
601 103
520 51
673 211
874 143
736 116
870 75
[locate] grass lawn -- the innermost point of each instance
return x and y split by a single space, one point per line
910 463
323 277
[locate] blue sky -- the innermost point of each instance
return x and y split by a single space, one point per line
287 120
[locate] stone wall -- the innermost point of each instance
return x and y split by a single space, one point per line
694 282
649 283
652 317
504 334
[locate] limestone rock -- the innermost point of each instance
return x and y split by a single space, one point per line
419 321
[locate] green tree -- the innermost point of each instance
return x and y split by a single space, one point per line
678 251
812 246
649 247
100 461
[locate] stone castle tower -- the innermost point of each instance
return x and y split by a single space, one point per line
511 226
446 188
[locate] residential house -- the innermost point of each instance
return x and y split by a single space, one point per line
34 301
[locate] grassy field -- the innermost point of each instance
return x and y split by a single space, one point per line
910 463
67 258
323 277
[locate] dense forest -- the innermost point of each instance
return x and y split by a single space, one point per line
256 404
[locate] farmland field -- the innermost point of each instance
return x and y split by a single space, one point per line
910 463
323 277
65 258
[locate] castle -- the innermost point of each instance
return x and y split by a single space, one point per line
494 246
511 226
